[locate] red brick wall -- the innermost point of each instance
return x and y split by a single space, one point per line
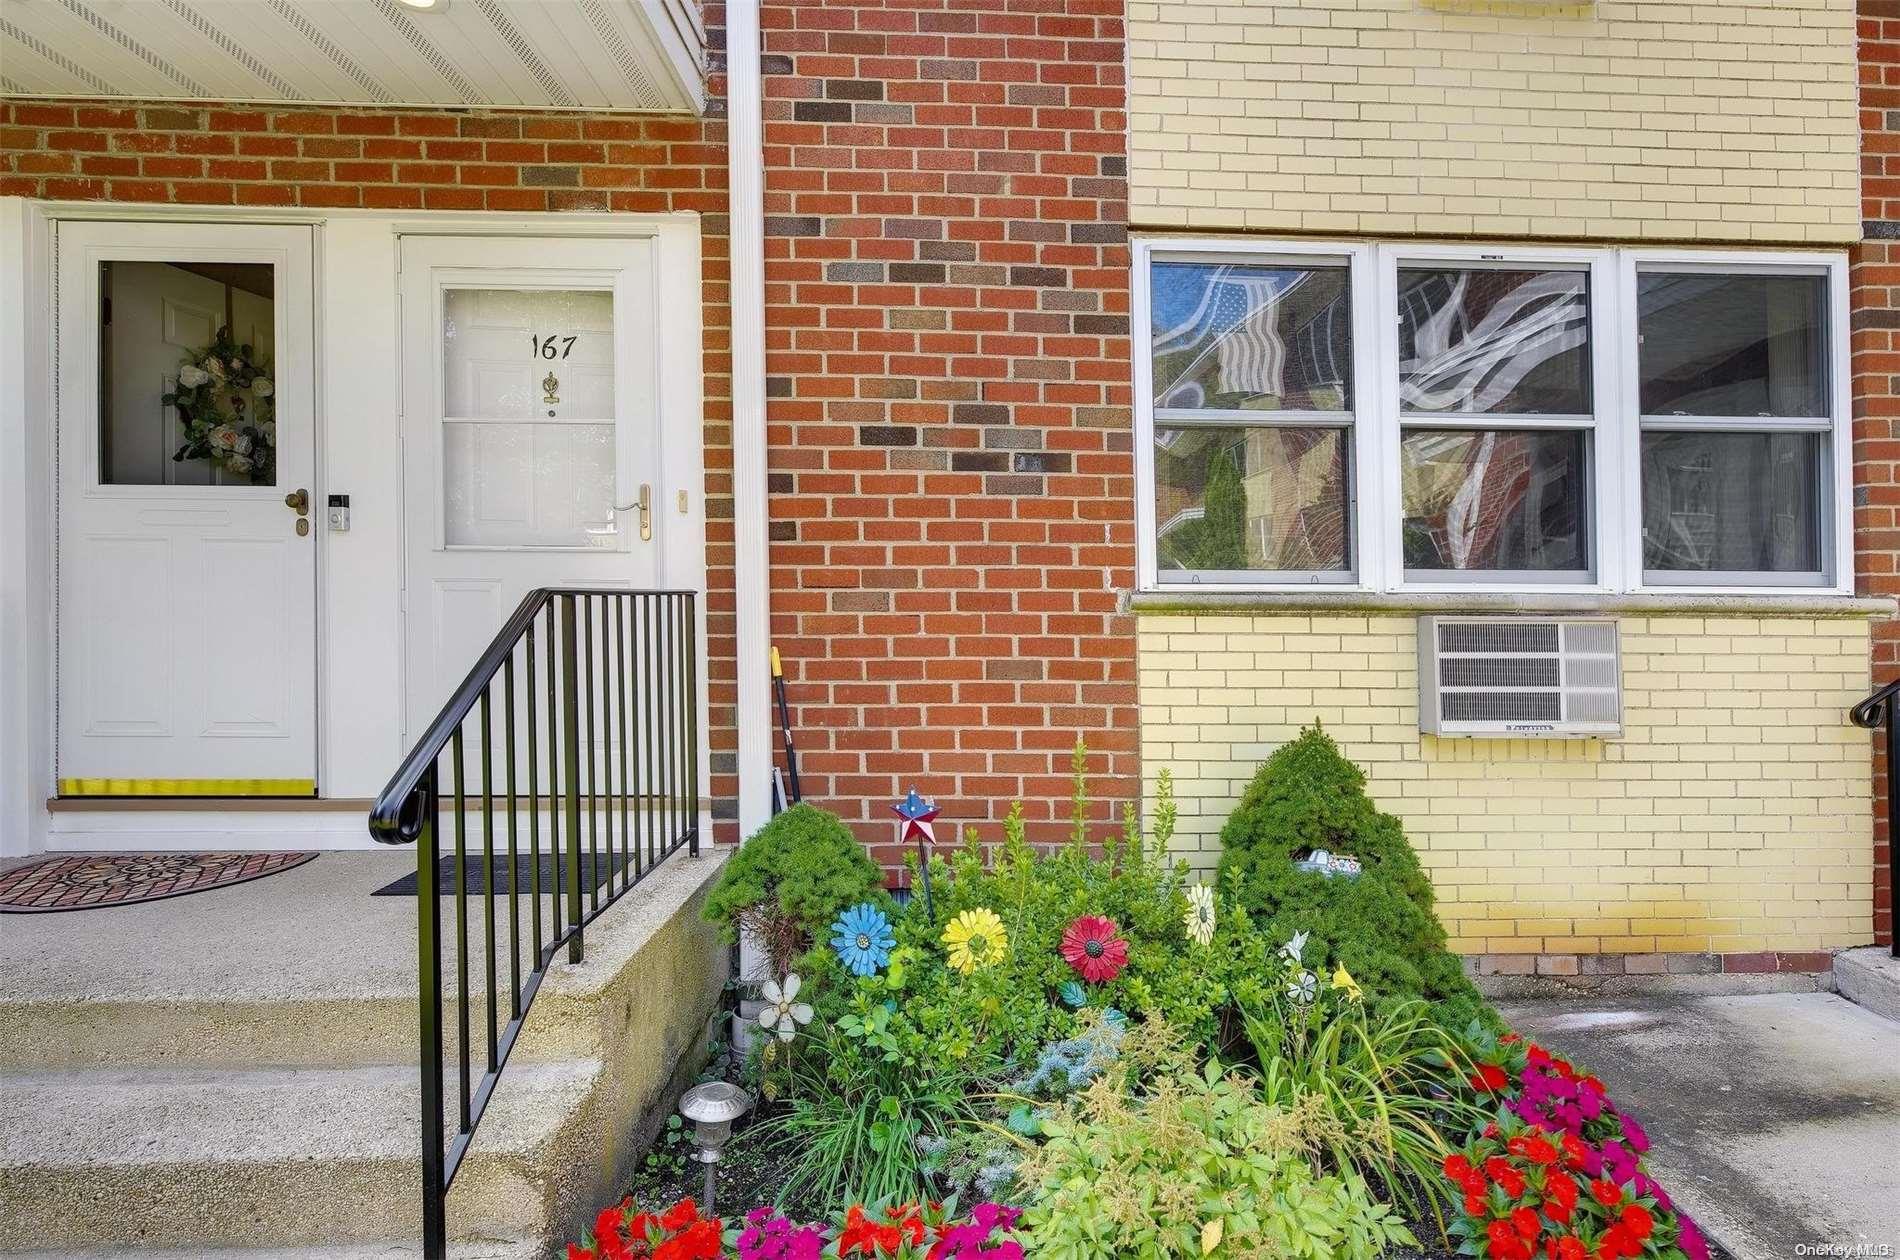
952 489
427 160
1876 318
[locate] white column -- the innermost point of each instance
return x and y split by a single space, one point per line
745 155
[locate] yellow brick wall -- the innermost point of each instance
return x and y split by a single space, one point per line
1656 119
1734 815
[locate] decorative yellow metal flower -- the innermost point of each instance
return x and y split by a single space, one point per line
975 939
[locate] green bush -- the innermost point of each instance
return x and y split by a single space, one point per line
999 1017
1195 1164
789 881
1379 923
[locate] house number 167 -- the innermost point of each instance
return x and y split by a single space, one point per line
546 347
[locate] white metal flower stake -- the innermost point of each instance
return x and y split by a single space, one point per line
783 1013
1199 920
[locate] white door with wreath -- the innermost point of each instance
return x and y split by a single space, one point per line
187 539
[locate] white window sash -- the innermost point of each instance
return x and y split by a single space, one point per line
1615 425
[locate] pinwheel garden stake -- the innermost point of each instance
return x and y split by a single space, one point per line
919 816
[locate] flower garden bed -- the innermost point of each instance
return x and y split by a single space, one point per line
1097 1056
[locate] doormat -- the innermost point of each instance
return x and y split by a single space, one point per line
596 869
122 879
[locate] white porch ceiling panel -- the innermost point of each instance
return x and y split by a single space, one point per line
644 55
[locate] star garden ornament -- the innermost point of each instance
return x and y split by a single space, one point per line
919 817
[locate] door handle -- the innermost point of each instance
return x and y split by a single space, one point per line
645 505
298 501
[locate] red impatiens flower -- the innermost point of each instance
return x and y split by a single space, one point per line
701 1241
1510 1178
1569 1247
1457 1168
577 1252
1534 1147
865 1236
1489 1078
1525 1222
1617 1241
1094 947
1560 1196
680 1215
1504 1242
1606 1192
1637 1220
1474 1205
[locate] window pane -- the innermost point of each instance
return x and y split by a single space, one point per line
1732 502
1732 345
1495 500
1252 337
1488 340
1258 498
186 391
528 423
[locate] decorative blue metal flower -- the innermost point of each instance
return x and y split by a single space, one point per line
863 938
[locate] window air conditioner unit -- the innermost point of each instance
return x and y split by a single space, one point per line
1519 677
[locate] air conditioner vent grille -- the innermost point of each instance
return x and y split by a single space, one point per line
1519 676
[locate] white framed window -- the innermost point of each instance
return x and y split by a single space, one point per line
1254 395
1405 417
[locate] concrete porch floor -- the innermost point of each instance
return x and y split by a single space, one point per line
1773 1116
312 931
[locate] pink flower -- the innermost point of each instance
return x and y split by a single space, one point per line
1093 946
1634 1135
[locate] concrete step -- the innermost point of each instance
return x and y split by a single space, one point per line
287 1157
304 969
1870 977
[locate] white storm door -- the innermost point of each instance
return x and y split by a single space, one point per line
186 580
531 436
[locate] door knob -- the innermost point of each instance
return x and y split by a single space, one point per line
298 501
646 512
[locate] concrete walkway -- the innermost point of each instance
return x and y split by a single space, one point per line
1775 1117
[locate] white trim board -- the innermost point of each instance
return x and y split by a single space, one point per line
177 831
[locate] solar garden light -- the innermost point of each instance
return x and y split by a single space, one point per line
712 1108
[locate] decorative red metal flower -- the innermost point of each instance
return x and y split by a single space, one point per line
1094 947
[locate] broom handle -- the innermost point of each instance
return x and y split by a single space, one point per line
785 725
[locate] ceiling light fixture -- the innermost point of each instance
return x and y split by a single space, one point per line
427 6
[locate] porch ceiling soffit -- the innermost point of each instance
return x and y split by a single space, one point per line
632 55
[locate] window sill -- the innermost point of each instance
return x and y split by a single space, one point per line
1793 604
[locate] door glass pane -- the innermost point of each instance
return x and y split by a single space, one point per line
1495 500
1229 499
1732 502
1732 345
1487 340
187 395
1254 338
528 424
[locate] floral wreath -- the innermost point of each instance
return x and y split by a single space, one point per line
220 424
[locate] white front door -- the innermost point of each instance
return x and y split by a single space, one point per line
187 561
531 436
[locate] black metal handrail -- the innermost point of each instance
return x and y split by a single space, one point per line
1878 712
635 751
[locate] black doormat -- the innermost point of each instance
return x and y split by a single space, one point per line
596 869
